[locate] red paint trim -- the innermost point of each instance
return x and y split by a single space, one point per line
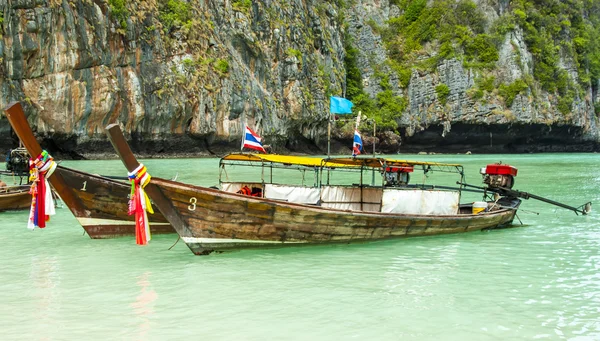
501 170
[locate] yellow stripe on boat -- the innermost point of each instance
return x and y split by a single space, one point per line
351 162
283 159
377 162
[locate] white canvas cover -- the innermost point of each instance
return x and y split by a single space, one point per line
233 187
296 194
349 198
420 201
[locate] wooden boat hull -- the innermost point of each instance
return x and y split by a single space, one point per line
221 221
105 206
15 200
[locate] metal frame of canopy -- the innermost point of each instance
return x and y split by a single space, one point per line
343 164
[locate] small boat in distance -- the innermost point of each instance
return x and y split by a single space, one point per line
100 204
210 220
14 198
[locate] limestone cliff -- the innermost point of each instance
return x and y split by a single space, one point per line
472 84
179 79
183 77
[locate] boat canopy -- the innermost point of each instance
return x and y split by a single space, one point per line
335 162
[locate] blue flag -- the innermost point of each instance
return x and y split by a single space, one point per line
338 105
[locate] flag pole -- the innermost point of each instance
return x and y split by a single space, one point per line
329 134
374 138
243 135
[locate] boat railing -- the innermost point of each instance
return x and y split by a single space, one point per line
374 199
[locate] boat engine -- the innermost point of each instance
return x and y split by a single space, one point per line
398 176
17 161
500 179
499 175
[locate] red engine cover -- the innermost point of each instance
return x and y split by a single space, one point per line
407 169
501 170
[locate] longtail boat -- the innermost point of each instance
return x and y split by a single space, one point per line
210 220
100 204
14 198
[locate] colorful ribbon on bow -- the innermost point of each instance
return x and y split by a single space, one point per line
139 204
42 203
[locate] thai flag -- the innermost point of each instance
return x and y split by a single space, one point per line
357 145
253 141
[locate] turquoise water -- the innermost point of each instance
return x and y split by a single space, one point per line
538 281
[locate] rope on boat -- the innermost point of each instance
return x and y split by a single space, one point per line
139 204
177 241
519 219
42 203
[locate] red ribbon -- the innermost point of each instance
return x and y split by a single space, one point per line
139 204
42 167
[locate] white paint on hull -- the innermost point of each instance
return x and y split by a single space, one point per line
232 241
101 222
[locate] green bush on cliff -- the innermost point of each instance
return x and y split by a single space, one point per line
468 14
503 25
222 66
294 53
174 14
390 108
442 91
386 107
510 91
414 10
242 6
486 83
475 93
354 86
482 84
404 74
119 12
565 103
481 49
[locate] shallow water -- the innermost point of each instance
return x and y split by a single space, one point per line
537 281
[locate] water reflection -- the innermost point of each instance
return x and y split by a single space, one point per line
45 279
143 306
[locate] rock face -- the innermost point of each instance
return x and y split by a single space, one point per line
184 77
187 88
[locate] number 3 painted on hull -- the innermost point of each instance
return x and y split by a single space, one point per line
193 202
